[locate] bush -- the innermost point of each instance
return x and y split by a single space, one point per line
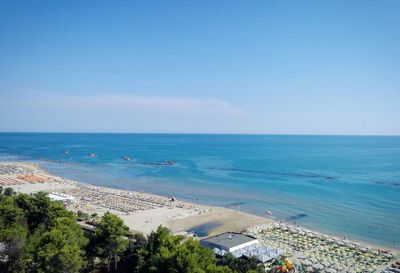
8 191
82 216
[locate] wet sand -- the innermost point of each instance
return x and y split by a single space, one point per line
227 219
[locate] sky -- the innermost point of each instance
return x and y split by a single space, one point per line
251 67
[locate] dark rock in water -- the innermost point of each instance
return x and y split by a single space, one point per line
164 163
169 162
296 217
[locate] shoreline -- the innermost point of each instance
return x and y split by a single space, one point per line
207 217
144 212
51 167
266 218
178 215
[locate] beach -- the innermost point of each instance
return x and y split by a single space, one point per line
143 212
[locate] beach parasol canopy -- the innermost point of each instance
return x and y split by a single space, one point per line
309 269
330 270
318 266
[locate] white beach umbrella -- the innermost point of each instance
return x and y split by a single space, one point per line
318 266
325 264
330 270
306 262
309 269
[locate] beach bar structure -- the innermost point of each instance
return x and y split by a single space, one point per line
240 245
65 199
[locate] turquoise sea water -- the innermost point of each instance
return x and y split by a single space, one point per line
343 185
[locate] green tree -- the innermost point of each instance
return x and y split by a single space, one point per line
59 249
8 191
10 213
39 235
40 210
13 233
1 189
91 249
82 216
137 253
165 253
111 241
11 258
241 265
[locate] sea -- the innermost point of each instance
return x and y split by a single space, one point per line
348 186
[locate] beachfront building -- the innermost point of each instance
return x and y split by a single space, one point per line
65 199
240 245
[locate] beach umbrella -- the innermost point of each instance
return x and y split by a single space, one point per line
325 264
330 270
318 266
309 269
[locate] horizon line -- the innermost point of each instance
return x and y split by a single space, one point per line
195 133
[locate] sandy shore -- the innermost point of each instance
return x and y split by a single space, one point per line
227 219
151 211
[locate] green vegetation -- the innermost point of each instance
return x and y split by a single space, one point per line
8 191
162 252
82 216
40 236
111 243
241 265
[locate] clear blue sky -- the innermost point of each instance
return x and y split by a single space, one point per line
289 67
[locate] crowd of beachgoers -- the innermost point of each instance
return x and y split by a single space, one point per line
315 252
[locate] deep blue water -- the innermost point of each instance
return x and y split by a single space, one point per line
344 185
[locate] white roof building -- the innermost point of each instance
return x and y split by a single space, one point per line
229 241
61 197
240 245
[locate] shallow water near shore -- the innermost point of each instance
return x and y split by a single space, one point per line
347 186
204 229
